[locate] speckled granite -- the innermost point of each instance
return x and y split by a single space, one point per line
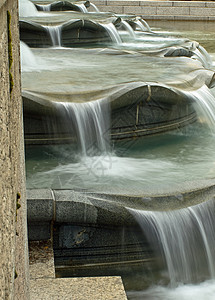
41 260
44 285
92 288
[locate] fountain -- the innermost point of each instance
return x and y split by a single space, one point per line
115 116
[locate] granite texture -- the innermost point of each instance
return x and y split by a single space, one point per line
44 205
41 260
166 10
13 233
83 288
44 285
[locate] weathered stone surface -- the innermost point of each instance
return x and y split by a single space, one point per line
74 207
41 259
40 205
101 288
13 233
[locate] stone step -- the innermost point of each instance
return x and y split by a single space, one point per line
169 10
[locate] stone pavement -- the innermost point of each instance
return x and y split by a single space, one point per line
44 285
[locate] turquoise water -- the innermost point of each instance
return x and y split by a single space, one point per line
150 165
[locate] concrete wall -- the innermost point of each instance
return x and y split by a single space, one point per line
168 10
13 233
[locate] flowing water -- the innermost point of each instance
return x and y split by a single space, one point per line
185 237
95 7
55 34
113 33
45 7
90 121
27 8
82 8
129 29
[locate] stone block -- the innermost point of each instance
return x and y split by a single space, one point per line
191 18
194 11
74 207
114 9
189 3
210 4
103 8
156 3
38 231
40 205
173 11
123 3
84 288
100 2
148 10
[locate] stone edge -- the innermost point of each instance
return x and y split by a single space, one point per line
161 10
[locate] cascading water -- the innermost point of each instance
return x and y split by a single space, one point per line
90 123
206 55
95 7
128 28
113 33
203 57
82 7
204 102
45 7
27 8
185 238
55 34
28 60
143 25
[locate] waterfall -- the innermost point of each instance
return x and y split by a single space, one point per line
204 102
55 34
89 121
95 7
203 56
82 8
45 7
28 60
128 28
185 238
206 55
113 33
27 9
143 25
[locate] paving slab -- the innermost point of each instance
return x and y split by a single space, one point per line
83 288
44 285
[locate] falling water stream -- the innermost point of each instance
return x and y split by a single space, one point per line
45 7
55 34
90 121
128 28
113 33
184 238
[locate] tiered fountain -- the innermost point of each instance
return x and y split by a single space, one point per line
116 116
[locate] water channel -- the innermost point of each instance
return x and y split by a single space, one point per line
93 159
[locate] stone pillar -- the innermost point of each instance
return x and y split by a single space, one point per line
13 226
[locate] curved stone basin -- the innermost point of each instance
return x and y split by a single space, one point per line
138 108
64 5
172 170
76 32
128 29
135 111
59 18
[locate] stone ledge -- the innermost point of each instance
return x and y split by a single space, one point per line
83 288
76 207
44 285
169 10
